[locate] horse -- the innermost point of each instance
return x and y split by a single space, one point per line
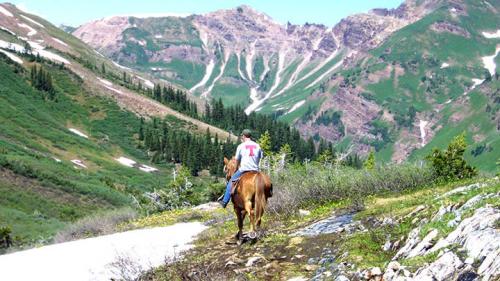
250 197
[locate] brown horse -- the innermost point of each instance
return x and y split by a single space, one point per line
250 197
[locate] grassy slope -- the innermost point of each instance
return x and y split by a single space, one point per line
45 195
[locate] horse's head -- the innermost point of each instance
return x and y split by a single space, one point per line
230 167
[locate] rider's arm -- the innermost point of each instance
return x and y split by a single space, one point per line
238 157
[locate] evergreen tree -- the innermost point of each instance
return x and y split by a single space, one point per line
369 163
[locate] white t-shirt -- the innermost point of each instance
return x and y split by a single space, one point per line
249 155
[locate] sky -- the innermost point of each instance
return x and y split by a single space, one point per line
77 12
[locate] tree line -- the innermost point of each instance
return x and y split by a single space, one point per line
174 145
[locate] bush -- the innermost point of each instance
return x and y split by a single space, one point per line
5 237
98 224
301 186
450 164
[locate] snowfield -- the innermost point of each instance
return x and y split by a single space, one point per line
33 21
489 62
75 131
5 12
295 106
12 56
132 164
422 126
96 258
31 30
59 41
492 35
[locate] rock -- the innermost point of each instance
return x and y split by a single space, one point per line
424 245
341 278
469 260
388 221
468 276
442 269
387 246
311 267
463 189
394 265
417 210
304 213
372 273
326 260
333 224
230 263
251 261
411 241
312 261
298 278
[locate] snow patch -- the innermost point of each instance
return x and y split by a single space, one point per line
266 69
295 74
147 82
476 82
11 46
57 159
105 82
31 30
249 58
119 65
281 62
147 169
39 49
126 162
33 21
222 68
422 125
239 68
158 36
78 163
12 57
5 12
208 73
489 62
322 64
108 85
492 35
143 248
296 106
337 65
7 30
77 132
444 65
59 41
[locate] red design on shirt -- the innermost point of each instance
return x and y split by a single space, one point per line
251 147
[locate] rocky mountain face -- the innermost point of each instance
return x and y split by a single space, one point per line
374 80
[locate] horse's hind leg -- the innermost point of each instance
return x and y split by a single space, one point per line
251 214
240 215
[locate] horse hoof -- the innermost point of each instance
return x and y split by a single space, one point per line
239 242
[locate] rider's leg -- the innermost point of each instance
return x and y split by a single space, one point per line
227 194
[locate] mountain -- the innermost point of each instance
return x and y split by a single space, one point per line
400 81
70 131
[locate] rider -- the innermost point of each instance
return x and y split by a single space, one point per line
248 155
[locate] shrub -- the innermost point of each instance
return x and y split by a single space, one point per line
98 224
301 186
450 164
5 237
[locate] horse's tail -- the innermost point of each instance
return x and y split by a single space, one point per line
262 183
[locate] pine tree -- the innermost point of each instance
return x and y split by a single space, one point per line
265 143
369 163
